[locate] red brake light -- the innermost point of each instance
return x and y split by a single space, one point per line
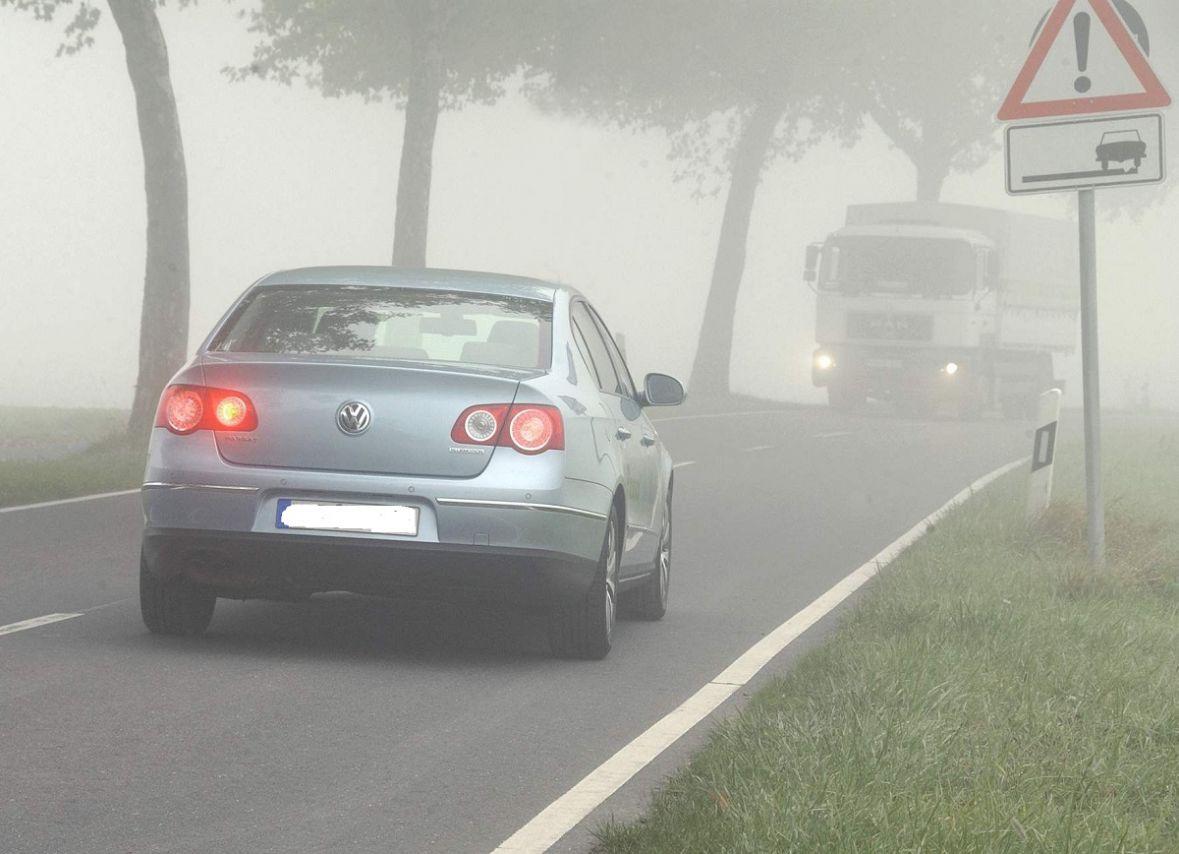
184 409
187 408
529 428
231 411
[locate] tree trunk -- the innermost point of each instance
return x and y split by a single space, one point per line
931 176
417 147
710 373
163 328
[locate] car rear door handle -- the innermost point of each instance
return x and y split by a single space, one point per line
648 440
623 433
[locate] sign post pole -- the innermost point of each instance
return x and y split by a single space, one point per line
1091 379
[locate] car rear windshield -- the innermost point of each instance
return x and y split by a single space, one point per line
392 323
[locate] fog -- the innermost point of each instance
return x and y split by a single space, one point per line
282 177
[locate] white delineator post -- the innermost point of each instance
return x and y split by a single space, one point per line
1043 454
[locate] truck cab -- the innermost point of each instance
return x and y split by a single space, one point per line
915 307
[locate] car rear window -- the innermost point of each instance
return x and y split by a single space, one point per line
414 324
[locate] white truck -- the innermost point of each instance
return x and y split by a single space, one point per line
933 305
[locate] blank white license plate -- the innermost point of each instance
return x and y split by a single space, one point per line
356 518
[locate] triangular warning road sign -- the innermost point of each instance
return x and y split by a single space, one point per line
1083 68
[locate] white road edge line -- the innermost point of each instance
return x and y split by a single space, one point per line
36 621
684 464
80 498
563 814
834 435
756 448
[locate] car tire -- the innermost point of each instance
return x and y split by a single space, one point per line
586 629
649 601
173 606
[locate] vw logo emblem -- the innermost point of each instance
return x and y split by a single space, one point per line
353 417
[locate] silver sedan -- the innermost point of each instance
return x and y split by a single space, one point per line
410 433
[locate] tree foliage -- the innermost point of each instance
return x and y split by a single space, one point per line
425 55
736 84
936 76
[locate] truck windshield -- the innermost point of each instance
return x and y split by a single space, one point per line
931 267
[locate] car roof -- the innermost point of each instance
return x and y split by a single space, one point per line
467 281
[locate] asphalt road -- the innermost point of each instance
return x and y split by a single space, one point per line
355 724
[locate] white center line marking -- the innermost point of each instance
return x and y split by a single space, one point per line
684 464
69 500
36 621
759 448
563 814
835 435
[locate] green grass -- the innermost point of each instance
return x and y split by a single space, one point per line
63 453
989 693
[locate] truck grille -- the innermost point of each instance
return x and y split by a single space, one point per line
890 327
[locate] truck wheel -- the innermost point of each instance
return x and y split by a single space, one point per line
173 606
846 396
1104 165
586 628
973 401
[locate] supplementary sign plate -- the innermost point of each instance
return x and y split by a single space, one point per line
1082 154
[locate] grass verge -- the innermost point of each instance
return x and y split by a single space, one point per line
990 693
62 453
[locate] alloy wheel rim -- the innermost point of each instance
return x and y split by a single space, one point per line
611 578
665 559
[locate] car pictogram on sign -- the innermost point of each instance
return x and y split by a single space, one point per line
1121 146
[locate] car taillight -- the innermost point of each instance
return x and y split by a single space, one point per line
479 425
529 428
185 409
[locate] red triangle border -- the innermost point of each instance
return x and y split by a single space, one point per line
1015 107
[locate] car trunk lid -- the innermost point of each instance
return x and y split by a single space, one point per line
411 407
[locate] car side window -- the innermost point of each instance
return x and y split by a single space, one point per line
583 349
626 384
598 352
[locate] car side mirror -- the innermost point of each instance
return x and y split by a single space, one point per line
662 390
810 274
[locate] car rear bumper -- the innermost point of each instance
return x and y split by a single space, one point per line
279 566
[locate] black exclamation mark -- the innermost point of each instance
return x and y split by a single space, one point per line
1081 32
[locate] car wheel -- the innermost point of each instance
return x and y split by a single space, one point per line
586 629
649 602
173 606
1104 165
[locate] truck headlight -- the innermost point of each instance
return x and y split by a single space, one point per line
951 368
824 361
